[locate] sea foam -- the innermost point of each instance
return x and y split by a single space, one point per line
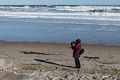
63 12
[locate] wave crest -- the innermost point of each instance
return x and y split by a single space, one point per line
64 12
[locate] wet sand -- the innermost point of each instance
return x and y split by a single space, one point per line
27 57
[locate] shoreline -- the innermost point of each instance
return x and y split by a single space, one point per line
55 43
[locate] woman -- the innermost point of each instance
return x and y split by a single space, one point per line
76 47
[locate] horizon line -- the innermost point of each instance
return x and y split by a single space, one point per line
56 5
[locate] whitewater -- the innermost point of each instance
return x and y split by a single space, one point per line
70 12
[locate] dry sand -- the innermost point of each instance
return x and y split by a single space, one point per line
22 59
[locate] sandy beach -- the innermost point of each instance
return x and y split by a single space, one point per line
51 61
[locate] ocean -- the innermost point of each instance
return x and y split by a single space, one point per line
60 24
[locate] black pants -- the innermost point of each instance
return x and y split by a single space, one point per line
77 63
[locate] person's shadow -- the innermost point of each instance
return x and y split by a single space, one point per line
53 63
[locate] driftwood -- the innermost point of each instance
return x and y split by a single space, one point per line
88 57
42 53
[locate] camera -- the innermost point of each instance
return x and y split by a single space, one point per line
72 43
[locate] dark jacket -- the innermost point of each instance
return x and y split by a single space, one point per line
76 49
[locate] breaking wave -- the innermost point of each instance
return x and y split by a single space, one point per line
63 12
